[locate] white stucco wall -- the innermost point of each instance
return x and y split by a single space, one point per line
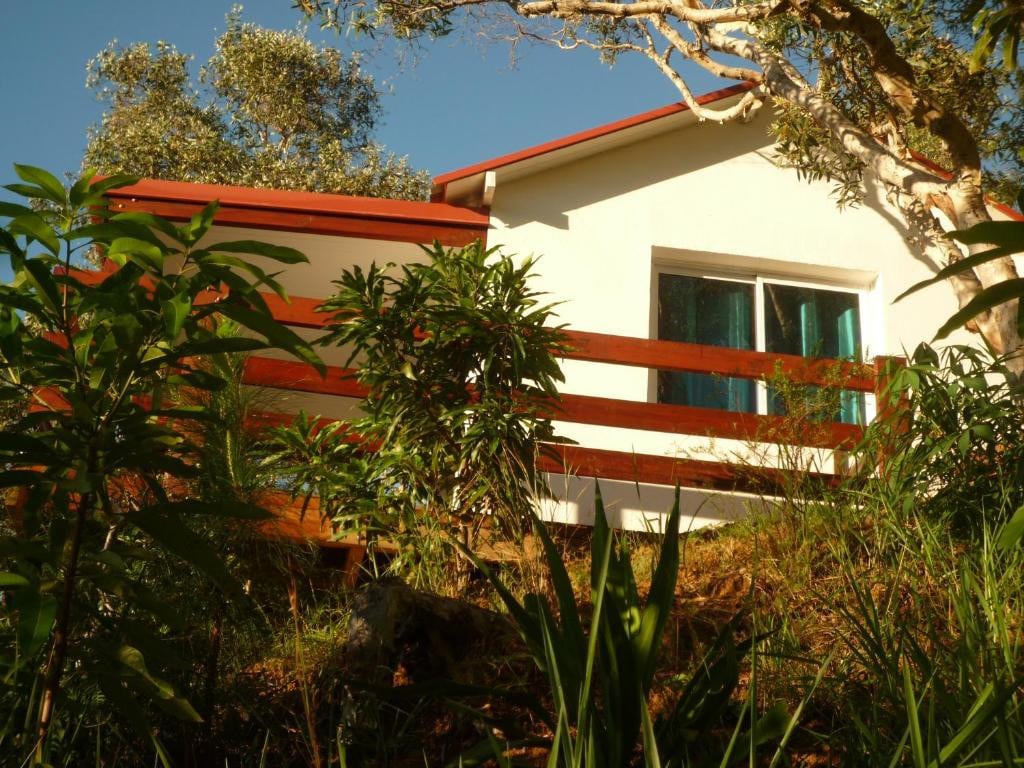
705 196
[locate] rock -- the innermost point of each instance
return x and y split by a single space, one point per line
401 636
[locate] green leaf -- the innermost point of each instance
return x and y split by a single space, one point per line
175 311
33 225
986 707
44 180
660 600
132 658
125 704
917 752
217 345
168 531
199 225
8 579
277 334
150 221
991 297
279 253
41 278
956 268
1012 531
1003 234
17 478
137 250
36 614
12 210
114 181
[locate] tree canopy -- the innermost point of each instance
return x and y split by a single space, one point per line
859 90
270 109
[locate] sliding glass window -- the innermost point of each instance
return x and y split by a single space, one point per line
758 314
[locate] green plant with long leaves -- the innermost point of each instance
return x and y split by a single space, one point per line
953 449
601 676
932 671
460 364
98 460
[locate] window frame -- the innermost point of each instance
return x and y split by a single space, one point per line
758 280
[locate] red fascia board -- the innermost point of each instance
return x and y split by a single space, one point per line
578 138
303 202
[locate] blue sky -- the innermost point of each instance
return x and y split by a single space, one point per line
459 104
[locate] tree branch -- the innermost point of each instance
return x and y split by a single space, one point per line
681 11
897 79
695 53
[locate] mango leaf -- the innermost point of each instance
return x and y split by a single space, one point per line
1012 531
45 180
113 181
219 345
133 714
991 297
277 334
1004 234
149 221
12 210
965 264
199 225
16 478
175 312
168 531
124 248
279 253
34 226
132 658
36 613
180 708
108 231
8 580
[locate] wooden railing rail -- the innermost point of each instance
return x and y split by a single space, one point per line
301 312
611 412
587 409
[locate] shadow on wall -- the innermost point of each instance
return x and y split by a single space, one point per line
626 169
646 508
547 198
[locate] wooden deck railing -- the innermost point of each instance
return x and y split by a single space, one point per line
300 312
629 414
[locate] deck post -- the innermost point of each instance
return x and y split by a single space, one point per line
354 556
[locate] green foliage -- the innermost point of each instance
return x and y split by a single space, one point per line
927 38
270 110
460 366
997 24
954 448
601 678
99 461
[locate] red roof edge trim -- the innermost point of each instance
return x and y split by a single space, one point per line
440 182
303 202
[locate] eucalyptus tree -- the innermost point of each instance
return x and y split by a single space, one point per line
270 109
861 89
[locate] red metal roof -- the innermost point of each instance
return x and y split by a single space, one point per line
303 202
440 182
314 212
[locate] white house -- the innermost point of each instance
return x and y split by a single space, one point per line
655 227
